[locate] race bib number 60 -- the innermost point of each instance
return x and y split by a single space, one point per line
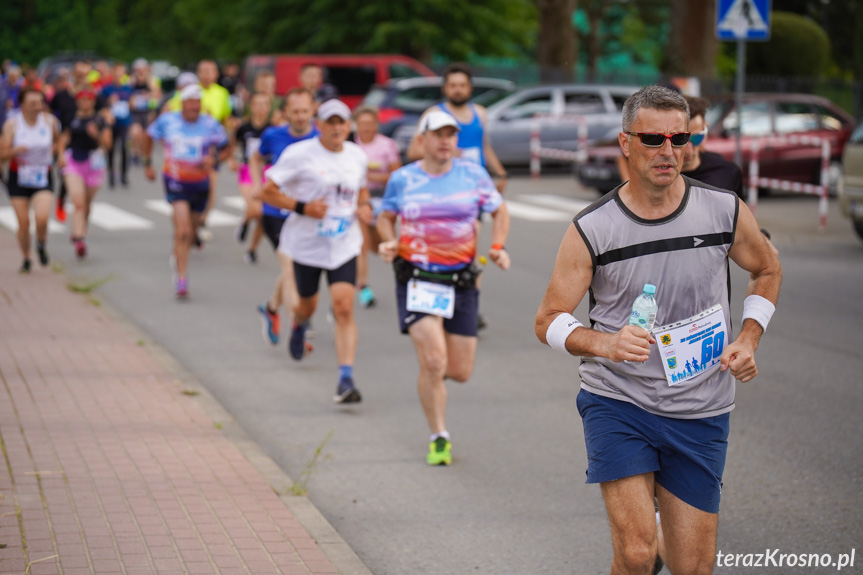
693 346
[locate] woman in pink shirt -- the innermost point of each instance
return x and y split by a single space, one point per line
384 158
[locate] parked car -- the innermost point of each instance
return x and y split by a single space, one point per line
510 121
851 183
763 115
48 67
402 102
353 75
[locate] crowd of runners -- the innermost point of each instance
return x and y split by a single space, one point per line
655 443
319 182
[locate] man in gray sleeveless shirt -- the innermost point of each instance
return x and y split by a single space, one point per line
652 426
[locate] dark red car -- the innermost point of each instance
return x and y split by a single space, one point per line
763 115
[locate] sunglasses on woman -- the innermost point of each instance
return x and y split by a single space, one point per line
656 139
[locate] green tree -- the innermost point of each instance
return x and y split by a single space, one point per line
419 28
797 47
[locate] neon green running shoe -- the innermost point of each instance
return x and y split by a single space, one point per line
439 452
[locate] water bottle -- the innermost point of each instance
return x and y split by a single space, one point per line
644 310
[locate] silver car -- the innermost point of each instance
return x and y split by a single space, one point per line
851 184
510 120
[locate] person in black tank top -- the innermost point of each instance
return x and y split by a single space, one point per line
88 135
248 136
708 167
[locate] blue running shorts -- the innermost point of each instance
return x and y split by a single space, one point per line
686 456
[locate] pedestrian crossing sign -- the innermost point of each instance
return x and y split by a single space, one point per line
743 20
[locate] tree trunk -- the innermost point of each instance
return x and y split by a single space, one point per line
595 13
692 40
556 48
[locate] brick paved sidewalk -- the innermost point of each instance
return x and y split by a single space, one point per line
107 467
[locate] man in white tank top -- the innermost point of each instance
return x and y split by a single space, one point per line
634 395
29 142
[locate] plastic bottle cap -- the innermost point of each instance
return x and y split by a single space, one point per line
649 288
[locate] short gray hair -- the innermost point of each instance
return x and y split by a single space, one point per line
654 97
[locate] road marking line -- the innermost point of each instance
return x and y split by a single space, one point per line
552 201
214 218
236 202
10 221
110 217
534 213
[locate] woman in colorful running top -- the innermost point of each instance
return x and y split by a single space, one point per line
88 136
192 142
30 140
248 136
384 158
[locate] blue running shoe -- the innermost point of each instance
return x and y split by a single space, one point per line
270 324
297 345
367 297
346 392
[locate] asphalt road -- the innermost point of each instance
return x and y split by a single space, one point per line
514 501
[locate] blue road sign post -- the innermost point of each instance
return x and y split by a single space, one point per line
743 21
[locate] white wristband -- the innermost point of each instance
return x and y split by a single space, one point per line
559 330
758 308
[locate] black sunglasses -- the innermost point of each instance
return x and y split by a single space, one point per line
655 139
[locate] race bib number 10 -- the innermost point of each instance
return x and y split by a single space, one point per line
693 346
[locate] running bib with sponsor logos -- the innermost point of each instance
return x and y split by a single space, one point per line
431 298
333 226
33 176
692 346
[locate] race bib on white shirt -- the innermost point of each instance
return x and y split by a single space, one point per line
431 298
692 346
472 155
333 226
33 176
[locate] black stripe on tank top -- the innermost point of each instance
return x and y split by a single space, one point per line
666 245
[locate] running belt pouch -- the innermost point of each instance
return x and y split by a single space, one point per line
461 279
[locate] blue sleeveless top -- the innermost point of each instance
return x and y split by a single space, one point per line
470 138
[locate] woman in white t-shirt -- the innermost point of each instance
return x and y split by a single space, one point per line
384 159
323 181
31 140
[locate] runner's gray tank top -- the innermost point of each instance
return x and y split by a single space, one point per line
685 255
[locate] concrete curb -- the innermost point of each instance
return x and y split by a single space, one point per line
340 554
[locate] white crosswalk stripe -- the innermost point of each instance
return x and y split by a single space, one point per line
569 205
106 216
215 218
533 213
8 220
112 218
236 202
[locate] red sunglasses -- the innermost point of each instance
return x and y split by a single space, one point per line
656 139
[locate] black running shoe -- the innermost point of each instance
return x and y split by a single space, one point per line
25 267
346 392
43 254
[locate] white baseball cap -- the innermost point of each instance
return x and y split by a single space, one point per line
332 108
139 63
437 119
185 79
191 92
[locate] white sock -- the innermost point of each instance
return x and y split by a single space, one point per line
444 434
